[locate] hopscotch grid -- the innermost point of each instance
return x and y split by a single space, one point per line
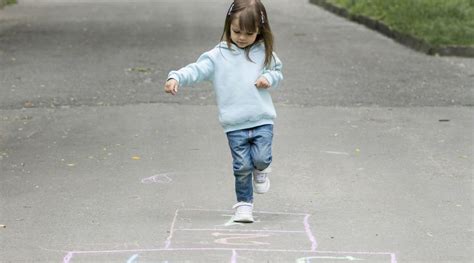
70 254
308 231
312 239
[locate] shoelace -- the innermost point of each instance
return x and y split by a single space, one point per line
260 177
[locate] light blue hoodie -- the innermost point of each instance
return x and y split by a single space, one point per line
241 104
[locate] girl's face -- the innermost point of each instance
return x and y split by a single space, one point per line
241 37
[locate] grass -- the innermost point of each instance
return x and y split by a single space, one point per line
7 2
438 22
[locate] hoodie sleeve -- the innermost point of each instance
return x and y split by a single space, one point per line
196 72
273 73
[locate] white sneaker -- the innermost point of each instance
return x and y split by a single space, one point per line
261 182
243 212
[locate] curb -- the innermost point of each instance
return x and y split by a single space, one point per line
402 38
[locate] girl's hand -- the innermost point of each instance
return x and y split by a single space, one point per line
171 86
262 83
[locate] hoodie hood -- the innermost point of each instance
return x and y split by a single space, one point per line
234 49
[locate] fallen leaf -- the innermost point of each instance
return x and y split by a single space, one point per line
28 104
140 69
136 158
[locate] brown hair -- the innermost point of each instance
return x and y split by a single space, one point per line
252 18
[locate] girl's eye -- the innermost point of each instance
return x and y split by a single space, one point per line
249 34
237 32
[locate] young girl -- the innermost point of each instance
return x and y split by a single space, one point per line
242 68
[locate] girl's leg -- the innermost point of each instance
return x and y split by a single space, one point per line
239 143
261 148
261 152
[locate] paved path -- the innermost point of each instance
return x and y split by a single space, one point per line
372 158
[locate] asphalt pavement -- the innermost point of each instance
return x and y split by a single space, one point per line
373 147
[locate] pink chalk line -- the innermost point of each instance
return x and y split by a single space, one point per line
314 243
234 256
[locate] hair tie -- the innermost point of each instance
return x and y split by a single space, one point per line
263 17
230 9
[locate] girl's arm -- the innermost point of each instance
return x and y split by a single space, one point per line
193 73
273 73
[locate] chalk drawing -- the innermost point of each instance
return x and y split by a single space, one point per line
233 259
314 243
157 178
68 257
233 239
308 259
132 259
168 240
295 229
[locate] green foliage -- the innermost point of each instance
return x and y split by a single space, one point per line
7 2
439 22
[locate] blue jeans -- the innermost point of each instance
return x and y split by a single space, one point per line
251 149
